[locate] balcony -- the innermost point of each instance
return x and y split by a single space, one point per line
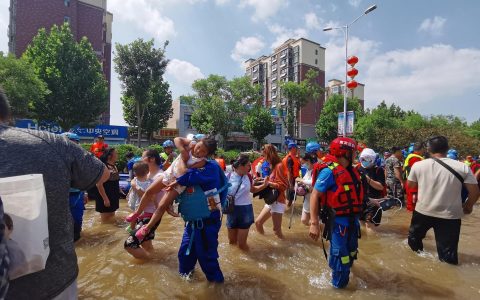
274 87
284 53
283 74
274 78
274 68
274 58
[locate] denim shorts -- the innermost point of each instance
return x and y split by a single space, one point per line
242 217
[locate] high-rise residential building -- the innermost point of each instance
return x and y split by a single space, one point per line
336 86
289 62
88 18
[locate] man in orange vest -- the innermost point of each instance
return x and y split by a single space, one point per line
291 164
99 147
412 158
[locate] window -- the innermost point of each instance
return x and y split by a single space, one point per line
316 61
66 19
278 129
274 67
284 53
255 69
316 51
335 90
66 3
187 121
283 63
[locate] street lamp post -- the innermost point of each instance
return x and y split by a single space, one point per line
345 31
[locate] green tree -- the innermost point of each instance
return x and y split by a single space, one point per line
220 105
298 95
72 73
258 124
141 67
21 85
327 125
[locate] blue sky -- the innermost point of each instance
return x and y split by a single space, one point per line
422 55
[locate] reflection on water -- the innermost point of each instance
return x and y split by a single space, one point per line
291 269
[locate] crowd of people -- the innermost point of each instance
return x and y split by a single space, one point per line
342 187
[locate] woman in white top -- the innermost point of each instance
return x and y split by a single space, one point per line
308 160
142 249
239 222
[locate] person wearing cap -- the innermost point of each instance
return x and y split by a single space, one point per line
373 181
98 148
291 164
167 155
315 148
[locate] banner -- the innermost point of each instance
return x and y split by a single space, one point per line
108 131
350 120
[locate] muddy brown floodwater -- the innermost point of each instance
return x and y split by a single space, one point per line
291 269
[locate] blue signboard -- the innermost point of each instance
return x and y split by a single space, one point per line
107 131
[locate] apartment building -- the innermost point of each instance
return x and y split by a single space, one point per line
88 18
336 86
289 62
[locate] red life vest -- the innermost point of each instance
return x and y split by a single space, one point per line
347 199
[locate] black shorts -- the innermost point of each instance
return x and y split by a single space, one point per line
133 242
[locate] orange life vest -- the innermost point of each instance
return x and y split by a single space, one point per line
296 165
347 199
98 148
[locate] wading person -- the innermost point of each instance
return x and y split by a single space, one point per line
412 158
393 174
239 222
439 206
63 164
278 181
338 192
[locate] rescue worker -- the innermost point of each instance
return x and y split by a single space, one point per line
412 158
167 155
338 195
291 163
98 148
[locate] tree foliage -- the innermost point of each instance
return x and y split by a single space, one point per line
72 73
386 126
326 127
258 124
21 85
220 104
147 101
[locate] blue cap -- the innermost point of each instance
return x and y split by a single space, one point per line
312 147
452 154
292 145
168 143
199 136
72 136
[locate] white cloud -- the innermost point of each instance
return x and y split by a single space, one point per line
282 34
311 21
221 2
263 8
354 3
183 71
433 26
145 15
423 75
247 47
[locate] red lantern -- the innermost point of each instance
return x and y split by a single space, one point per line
352 60
352 72
352 84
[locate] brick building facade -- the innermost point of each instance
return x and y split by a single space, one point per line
88 18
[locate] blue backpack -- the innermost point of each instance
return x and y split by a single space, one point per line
193 203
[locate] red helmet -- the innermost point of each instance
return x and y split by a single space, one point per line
340 146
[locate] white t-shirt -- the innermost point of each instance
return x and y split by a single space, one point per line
439 191
307 181
243 196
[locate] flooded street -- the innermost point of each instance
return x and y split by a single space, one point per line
291 269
